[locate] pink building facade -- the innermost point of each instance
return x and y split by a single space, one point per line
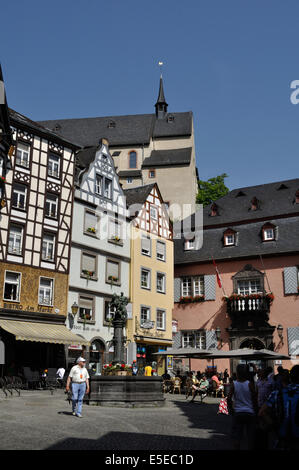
253 235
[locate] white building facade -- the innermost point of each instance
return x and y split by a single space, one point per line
100 253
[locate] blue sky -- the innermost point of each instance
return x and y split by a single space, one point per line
231 62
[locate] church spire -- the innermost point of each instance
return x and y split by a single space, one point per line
161 105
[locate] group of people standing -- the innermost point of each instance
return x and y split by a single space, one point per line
266 406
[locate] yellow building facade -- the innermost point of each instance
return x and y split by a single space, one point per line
149 327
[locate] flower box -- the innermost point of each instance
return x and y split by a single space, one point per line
112 278
91 230
88 273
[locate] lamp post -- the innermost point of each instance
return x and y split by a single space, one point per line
75 308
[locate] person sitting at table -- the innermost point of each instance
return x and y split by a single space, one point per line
219 383
201 388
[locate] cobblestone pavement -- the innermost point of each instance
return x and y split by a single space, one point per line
39 420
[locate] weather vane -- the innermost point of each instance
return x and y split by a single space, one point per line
160 65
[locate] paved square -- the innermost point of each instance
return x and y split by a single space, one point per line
39 420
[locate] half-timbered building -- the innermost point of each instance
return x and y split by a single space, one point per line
35 241
100 253
151 280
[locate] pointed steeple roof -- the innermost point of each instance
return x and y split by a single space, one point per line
161 105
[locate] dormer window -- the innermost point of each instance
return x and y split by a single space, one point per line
254 204
214 210
111 124
229 238
268 232
170 118
240 194
189 244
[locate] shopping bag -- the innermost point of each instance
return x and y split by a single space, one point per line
223 407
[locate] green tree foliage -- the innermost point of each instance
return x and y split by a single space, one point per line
209 191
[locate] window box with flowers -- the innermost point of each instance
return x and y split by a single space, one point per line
91 230
116 240
2 180
117 369
113 279
88 274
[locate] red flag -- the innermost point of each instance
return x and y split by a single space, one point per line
217 274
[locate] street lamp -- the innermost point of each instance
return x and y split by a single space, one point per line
280 332
75 309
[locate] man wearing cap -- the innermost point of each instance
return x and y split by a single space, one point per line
80 385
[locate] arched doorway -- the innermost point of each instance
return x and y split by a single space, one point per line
96 355
252 343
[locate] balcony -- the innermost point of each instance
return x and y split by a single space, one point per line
250 310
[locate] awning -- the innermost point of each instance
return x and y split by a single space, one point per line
158 341
41 332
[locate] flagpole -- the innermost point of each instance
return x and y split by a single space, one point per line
218 274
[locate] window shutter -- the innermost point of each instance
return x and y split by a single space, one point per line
290 280
90 220
161 249
210 286
293 341
88 262
177 340
211 339
146 244
177 289
85 302
112 269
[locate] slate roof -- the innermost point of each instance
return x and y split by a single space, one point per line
138 195
24 122
168 157
129 130
275 200
132 173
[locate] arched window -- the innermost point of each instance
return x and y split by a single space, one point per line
132 159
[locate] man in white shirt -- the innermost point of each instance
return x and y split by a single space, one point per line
60 374
80 385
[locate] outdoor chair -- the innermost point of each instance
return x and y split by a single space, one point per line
32 377
3 386
12 383
176 385
188 387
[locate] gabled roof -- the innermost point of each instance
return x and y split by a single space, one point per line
139 194
127 130
168 157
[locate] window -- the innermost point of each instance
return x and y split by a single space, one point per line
269 234
152 174
188 340
249 287
45 292
198 285
15 240
51 207
115 154
229 237
19 195
189 244
107 188
22 154
145 278
90 222
192 286
109 312
154 213
132 160
113 271
54 166
146 245
161 283
161 319
115 230
99 184
88 265
161 251
145 315
12 286
129 180
186 286
48 247
86 308
200 339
